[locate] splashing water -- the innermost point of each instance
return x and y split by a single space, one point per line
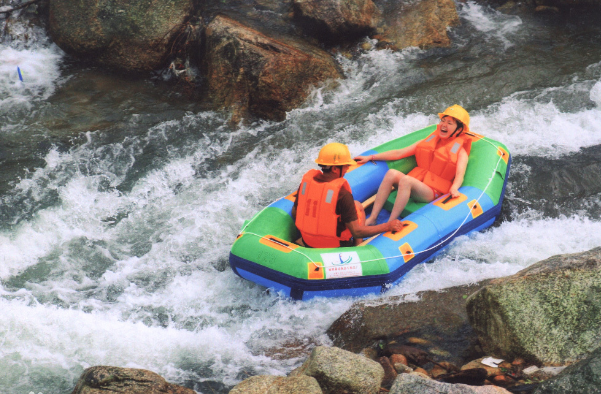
114 248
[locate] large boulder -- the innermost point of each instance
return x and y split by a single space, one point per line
583 377
339 371
414 384
131 35
549 312
421 24
438 316
248 71
337 20
267 384
114 380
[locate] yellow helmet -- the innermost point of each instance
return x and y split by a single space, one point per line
457 112
335 154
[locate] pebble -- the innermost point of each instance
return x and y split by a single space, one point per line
402 368
418 341
552 370
530 370
398 358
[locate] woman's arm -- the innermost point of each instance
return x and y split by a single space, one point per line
461 166
396 154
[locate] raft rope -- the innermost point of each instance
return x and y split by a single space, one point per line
320 264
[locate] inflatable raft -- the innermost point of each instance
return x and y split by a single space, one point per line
266 250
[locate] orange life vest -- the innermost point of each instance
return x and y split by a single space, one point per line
437 160
316 216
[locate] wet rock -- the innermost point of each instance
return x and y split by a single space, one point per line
421 371
390 372
443 368
490 371
549 312
583 377
337 370
413 384
250 72
473 376
518 362
337 21
437 371
402 368
370 353
131 35
398 359
421 24
502 380
109 380
419 341
439 317
412 354
266 384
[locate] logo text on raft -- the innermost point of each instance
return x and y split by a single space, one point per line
342 264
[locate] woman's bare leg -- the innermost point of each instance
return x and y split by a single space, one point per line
390 179
409 187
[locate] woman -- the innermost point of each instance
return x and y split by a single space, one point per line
441 163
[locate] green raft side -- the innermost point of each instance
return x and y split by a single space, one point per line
484 158
483 155
297 263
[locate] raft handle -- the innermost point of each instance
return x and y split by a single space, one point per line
278 242
446 200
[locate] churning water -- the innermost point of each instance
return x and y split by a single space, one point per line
119 202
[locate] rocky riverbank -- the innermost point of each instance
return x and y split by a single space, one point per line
254 59
514 334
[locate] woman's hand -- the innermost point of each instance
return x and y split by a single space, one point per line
362 159
454 192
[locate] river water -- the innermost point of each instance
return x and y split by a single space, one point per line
120 199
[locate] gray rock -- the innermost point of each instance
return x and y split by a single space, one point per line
549 312
337 20
265 384
132 35
114 380
414 384
437 315
423 24
583 377
248 71
337 371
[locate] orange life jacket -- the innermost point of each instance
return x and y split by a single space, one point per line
437 160
316 216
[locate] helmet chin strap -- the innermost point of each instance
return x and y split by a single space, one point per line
453 133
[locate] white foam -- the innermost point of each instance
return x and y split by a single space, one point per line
139 277
596 94
39 69
494 24
502 251
539 127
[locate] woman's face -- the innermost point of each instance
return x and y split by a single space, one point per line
448 125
